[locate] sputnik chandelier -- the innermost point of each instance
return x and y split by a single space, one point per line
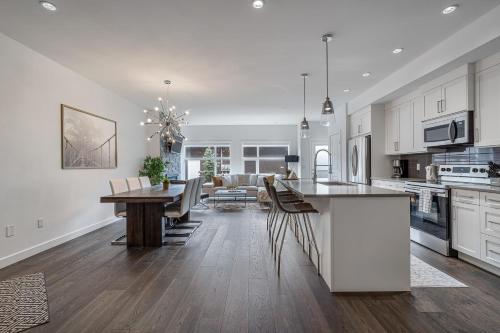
166 119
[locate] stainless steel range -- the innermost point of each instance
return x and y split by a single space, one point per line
430 204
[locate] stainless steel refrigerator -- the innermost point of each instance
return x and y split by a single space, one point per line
360 160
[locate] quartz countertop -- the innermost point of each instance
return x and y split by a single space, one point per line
307 188
398 180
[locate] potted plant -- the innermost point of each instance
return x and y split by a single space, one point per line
154 168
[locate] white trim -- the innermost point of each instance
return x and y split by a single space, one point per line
258 158
31 251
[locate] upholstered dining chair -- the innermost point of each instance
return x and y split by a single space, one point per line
199 195
194 191
119 186
177 210
133 183
144 181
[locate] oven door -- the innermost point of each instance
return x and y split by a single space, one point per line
435 223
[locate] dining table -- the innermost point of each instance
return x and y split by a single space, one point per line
145 212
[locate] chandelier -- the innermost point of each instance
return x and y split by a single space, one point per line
168 121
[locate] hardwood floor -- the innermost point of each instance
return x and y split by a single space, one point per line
224 280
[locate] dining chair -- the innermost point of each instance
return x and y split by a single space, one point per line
199 195
194 192
119 186
145 183
133 183
176 211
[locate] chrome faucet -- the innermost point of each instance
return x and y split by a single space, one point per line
315 172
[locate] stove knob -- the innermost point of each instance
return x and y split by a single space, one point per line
443 169
475 170
482 170
448 169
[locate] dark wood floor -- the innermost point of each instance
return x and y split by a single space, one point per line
225 280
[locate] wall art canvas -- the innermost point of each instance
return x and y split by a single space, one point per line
88 140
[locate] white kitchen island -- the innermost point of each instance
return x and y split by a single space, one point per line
363 235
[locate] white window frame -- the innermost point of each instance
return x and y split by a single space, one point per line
258 158
214 146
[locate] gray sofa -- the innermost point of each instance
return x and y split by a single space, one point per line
253 183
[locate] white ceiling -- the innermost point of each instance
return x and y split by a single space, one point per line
230 63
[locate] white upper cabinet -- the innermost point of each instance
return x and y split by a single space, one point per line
392 130
453 92
418 131
487 114
405 142
360 123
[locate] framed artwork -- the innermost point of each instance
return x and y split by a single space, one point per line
88 141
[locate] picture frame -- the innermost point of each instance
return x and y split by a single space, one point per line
88 141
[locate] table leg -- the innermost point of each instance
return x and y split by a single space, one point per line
153 219
135 224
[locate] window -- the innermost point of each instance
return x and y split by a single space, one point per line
196 155
264 158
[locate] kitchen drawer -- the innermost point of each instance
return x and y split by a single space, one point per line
465 196
490 200
490 250
490 221
389 185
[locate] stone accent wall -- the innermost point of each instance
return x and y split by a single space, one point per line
173 169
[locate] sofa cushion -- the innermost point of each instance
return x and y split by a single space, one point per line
234 180
247 187
253 179
244 180
260 181
227 181
217 180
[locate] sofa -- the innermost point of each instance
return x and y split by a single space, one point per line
253 183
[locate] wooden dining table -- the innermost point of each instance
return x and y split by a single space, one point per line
145 209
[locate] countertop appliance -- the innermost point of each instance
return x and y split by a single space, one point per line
399 168
360 160
454 129
431 172
432 228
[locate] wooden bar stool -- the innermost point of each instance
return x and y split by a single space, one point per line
293 211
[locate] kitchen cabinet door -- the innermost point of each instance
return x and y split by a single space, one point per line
405 141
488 107
466 229
432 103
454 96
366 123
392 130
418 131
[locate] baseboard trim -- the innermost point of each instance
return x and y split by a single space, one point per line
31 251
479 263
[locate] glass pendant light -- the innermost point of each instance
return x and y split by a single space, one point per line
327 111
304 124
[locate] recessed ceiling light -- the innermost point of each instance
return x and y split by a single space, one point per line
258 4
48 5
397 51
449 9
366 74
347 90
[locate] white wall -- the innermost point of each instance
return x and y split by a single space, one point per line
317 135
237 135
32 87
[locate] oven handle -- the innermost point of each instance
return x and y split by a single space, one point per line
433 193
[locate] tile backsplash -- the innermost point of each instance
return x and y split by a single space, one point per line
458 155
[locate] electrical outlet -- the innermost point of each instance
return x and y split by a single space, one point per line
39 223
9 231
418 166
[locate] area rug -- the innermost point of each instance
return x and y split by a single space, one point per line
23 303
424 275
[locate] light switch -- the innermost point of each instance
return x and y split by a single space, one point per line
9 231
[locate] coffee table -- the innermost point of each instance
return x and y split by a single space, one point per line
235 194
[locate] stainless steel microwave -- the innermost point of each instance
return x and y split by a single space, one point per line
453 129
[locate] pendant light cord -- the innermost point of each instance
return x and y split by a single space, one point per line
326 44
304 97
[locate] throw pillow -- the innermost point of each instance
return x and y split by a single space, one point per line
260 181
253 179
226 181
243 180
217 180
270 179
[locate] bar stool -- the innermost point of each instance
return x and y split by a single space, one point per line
273 214
293 210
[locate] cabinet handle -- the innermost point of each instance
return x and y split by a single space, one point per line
476 134
395 149
397 145
443 105
359 129
438 106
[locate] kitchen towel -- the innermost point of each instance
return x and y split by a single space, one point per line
425 202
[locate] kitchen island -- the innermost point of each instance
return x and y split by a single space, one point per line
363 235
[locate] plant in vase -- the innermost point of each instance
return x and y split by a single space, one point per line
154 168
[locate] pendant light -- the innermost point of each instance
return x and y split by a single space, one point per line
327 110
304 124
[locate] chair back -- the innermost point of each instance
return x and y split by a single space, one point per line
198 192
119 186
267 186
145 183
276 200
133 183
194 192
186 196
